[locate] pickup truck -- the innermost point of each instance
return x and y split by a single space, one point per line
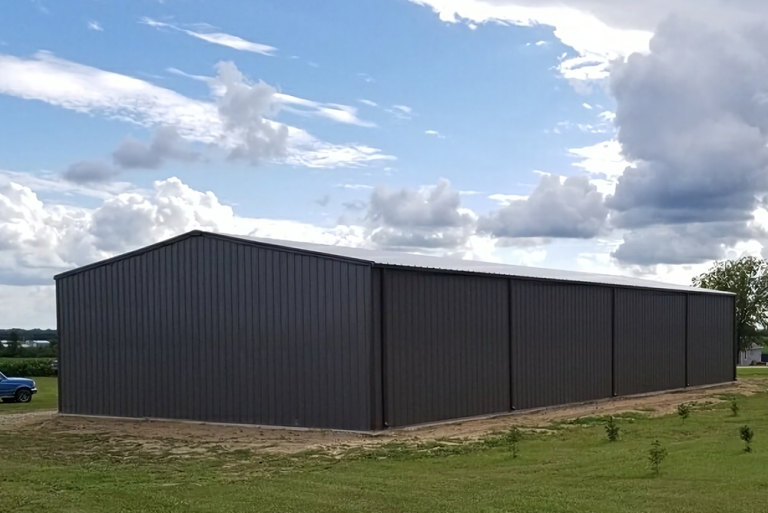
16 390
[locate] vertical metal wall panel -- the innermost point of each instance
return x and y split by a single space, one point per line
64 324
60 323
561 343
377 358
446 343
213 330
650 330
710 339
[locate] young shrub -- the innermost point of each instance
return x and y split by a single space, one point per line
655 456
734 407
684 411
514 437
612 429
746 434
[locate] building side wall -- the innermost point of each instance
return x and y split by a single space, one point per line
212 330
446 341
561 343
650 340
216 330
710 325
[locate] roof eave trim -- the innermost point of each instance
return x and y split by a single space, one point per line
688 290
130 254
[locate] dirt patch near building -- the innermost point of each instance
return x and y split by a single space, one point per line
187 439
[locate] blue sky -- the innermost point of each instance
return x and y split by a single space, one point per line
492 130
483 90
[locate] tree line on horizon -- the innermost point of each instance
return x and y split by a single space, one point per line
14 343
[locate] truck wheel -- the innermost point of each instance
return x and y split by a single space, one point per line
23 395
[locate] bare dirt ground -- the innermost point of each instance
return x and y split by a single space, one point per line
185 438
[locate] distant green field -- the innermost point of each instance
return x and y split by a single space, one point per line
46 398
752 372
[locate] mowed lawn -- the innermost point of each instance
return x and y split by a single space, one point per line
46 398
566 467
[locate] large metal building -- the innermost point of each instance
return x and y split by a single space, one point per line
218 328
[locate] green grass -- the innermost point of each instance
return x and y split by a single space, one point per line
570 467
46 398
752 372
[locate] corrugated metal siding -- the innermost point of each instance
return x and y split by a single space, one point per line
650 330
561 343
216 329
447 346
710 339
377 362
212 330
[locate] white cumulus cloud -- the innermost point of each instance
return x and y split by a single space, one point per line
94 91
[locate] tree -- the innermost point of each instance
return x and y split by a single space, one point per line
746 434
656 455
13 344
747 277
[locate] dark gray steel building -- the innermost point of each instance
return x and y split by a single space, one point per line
228 329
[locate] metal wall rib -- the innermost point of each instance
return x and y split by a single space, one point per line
213 330
710 328
447 346
650 330
561 343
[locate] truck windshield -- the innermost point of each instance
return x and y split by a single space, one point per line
2 376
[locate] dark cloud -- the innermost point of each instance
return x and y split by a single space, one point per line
324 200
693 115
90 171
437 207
572 208
166 145
426 218
391 238
681 244
355 206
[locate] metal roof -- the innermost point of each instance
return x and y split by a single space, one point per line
402 259
411 260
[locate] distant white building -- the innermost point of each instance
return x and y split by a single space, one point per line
35 343
753 354
27 343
